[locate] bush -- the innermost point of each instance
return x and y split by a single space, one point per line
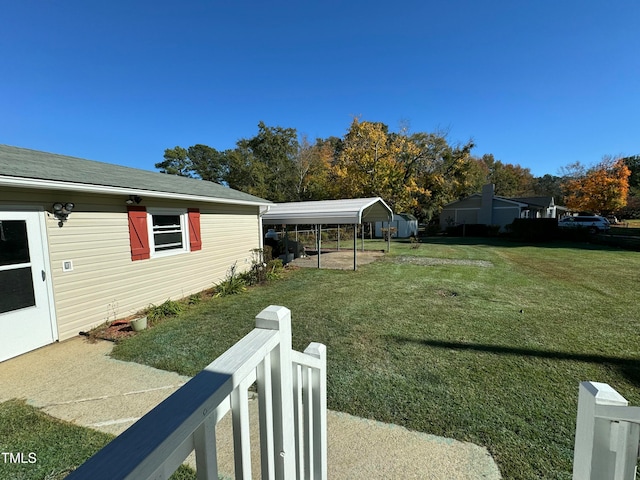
469 230
267 253
257 273
194 299
534 229
169 308
576 234
433 229
274 269
387 231
232 285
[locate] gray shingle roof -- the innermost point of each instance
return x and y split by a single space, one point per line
33 164
536 201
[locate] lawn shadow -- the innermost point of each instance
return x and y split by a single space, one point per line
629 367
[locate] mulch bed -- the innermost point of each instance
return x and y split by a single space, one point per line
113 332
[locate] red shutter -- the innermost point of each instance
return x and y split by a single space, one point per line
138 233
195 241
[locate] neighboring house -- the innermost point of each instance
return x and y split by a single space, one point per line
488 209
84 242
405 224
540 207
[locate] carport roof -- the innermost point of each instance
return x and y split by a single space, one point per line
348 211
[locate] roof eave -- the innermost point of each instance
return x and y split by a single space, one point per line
9 181
508 200
373 202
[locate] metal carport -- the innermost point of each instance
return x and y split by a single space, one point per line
353 211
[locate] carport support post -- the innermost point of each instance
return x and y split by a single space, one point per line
286 244
389 237
319 242
355 246
338 232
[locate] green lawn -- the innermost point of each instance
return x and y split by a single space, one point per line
490 352
35 446
49 448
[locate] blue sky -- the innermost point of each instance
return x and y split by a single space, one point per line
540 83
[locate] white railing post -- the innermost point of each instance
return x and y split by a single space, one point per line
299 375
265 403
204 439
293 440
593 458
241 433
319 408
279 318
625 443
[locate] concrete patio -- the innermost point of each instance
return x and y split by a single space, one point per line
79 382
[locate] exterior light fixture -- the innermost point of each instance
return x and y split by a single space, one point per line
62 211
133 199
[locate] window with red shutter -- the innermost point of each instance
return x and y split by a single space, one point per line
195 240
138 233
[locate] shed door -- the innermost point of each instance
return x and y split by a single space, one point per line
25 316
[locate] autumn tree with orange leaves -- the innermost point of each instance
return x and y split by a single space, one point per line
415 173
313 169
601 189
370 164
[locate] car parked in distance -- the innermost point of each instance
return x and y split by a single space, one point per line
593 223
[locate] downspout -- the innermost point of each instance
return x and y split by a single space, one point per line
260 227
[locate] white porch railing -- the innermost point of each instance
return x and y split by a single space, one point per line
292 414
607 435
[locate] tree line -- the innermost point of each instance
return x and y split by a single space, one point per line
414 173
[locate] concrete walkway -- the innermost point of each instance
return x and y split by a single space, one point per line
78 382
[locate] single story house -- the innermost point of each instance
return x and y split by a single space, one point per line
488 209
406 225
85 242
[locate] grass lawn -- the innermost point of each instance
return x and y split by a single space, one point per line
56 448
490 350
43 447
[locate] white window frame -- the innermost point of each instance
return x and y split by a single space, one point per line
184 228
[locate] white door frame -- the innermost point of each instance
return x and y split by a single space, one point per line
43 248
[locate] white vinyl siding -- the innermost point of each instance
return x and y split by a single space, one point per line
105 283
